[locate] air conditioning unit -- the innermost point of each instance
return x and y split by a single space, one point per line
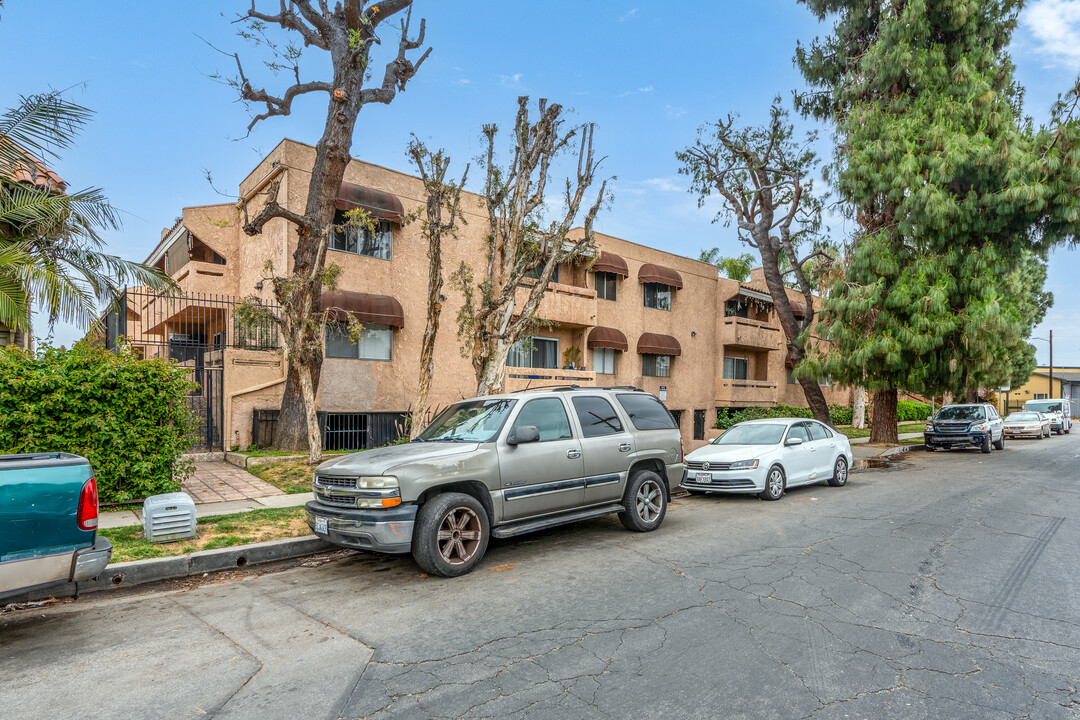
179 337
169 517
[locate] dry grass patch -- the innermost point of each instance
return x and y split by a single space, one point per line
292 476
214 532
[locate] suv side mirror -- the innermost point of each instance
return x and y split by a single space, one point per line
791 441
523 434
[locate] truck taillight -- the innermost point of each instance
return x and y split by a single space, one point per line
87 517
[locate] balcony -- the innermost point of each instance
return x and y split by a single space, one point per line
201 277
564 304
749 393
538 377
742 332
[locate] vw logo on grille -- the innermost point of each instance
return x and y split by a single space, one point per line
705 465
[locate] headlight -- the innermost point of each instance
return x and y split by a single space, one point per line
388 500
376 482
978 427
744 465
929 427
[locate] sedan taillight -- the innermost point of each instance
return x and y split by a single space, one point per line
87 516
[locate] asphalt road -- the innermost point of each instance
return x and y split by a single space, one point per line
945 589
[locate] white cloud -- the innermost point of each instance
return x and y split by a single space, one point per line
664 184
674 112
628 15
1055 26
510 79
646 89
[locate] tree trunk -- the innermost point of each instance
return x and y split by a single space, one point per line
858 412
883 429
314 437
972 395
491 371
291 431
419 418
815 398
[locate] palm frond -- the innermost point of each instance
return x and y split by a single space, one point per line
37 128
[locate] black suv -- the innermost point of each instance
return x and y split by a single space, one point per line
975 425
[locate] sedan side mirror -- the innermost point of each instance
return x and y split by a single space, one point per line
523 434
793 441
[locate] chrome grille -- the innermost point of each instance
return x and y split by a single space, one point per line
341 482
338 500
733 483
953 427
700 465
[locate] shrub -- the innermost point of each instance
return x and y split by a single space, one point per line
725 418
129 417
841 414
912 411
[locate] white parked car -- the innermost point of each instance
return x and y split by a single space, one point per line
768 456
1031 424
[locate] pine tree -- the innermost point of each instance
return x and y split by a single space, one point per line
951 188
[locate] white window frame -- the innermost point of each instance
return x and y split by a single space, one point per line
1041 396
609 354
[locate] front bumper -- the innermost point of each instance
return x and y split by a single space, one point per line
1024 431
966 439
388 531
90 562
727 481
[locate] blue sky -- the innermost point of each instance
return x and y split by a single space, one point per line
647 74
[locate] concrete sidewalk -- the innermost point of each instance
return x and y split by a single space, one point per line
902 436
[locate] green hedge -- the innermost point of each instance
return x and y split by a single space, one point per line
911 411
129 417
841 414
838 414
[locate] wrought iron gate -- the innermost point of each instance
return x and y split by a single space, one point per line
208 406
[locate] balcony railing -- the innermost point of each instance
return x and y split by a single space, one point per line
519 378
750 333
567 304
745 392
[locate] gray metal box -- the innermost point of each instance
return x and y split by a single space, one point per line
169 517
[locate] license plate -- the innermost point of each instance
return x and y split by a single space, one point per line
320 525
704 478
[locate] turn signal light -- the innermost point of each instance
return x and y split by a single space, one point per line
391 502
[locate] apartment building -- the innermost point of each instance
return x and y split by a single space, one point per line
633 315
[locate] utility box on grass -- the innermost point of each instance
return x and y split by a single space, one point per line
169 517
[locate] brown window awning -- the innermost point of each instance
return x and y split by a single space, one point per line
657 344
612 263
382 205
798 309
367 308
659 274
605 337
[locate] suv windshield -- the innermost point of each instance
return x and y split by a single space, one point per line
471 421
764 434
1046 406
1023 417
961 412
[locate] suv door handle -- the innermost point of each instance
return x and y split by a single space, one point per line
624 447
573 453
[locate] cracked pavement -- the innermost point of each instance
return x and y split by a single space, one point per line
946 588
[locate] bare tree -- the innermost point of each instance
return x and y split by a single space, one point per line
348 33
520 241
760 174
439 218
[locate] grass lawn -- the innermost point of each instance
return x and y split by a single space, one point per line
291 476
214 532
865 432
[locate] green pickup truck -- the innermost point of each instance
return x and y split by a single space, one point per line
48 523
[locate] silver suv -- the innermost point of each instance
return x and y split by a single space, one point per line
502 466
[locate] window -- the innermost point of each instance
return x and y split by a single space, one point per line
676 415
603 361
534 352
752 434
825 381
737 308
362 241
735 368
656 365
817 431
799 431
470 421
535 273
646 412
605 285
596 416
791 377
548 416
657 296
1042 396
375 342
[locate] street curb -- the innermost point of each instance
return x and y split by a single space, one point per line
901 450
137 572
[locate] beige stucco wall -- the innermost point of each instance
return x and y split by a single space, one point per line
695 320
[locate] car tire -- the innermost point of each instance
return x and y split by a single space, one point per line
1059 431
1000 444
840 471
986 446
451 535
775 483
644 503
930 447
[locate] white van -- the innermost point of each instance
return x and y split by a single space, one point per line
1060 412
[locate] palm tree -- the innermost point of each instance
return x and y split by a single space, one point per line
51 252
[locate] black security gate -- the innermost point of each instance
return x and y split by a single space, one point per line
208 406
699 424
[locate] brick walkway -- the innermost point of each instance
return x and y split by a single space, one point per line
217 481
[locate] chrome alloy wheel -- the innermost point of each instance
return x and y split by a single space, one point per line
776 482
648 501
459 535
840 472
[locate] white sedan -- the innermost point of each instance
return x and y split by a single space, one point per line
768 456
